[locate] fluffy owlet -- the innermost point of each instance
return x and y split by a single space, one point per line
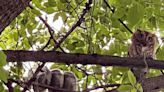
143 46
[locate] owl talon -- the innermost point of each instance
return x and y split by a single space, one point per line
149 58
145 71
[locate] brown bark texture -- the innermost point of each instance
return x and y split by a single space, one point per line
76 58
9 10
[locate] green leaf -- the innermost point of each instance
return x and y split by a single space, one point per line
124 2
161 24
125 88
134 90
2 45
102 31
17 88
152 21
50 10
139 87
135 14
78 74
64 1
119 12
59 66
61 6
37 4
2 88
36 12
159 54
63 15
51 3
3 75
132 78
115 22
91 79
2 59
120 69
79 50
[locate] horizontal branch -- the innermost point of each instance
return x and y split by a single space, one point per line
59 57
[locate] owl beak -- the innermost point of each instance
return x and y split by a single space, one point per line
144 49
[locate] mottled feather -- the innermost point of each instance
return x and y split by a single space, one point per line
143 46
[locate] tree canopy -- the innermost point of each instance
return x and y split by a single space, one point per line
92 30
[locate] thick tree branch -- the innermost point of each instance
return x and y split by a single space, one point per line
59 57
153 84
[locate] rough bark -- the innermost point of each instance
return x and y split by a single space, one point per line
59 57
9 10
153 84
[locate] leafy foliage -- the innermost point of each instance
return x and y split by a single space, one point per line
100 33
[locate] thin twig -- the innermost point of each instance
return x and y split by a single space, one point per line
50 32
102 86
78 23
119 18
33 77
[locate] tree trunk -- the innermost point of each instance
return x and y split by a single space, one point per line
9 9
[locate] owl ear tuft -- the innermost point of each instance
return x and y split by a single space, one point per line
139 30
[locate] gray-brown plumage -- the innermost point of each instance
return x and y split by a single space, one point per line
43 78
56 79
143 46
69 81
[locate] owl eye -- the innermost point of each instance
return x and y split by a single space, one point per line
141 35
144 44
149 39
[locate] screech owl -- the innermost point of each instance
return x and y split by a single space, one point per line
61 81
43 78
143 46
